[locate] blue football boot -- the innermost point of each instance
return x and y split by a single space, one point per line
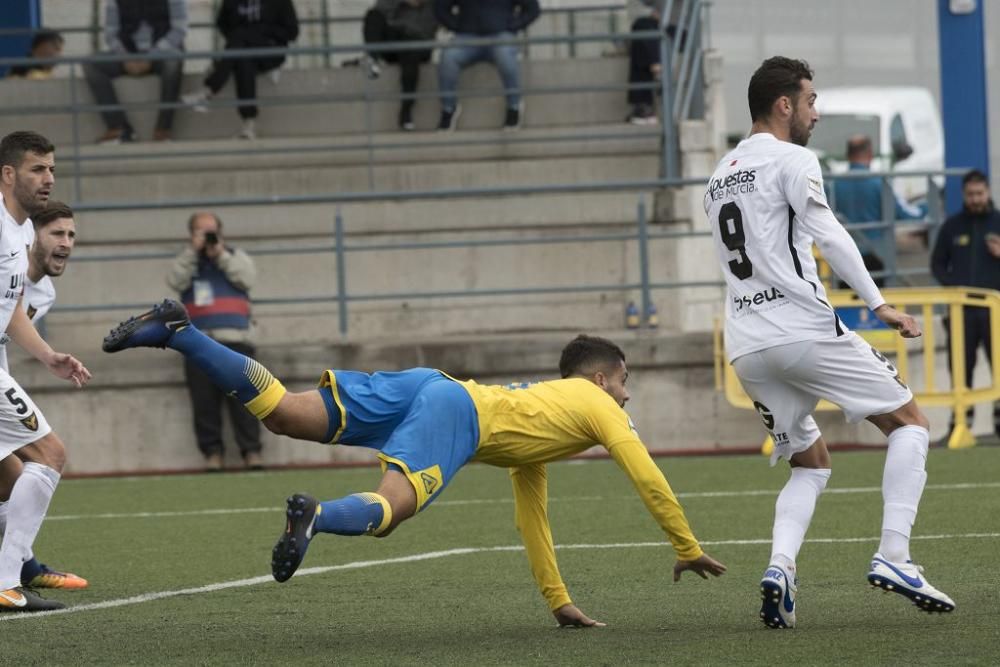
291 548
151 329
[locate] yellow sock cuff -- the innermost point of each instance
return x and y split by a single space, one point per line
268 399
386 511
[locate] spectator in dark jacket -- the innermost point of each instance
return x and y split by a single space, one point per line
967 254
469 19
248 24
139 27
401 21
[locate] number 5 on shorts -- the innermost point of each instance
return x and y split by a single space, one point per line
19 405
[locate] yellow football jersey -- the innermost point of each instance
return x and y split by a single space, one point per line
523 427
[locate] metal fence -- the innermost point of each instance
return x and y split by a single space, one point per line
572 19
678 91
341 250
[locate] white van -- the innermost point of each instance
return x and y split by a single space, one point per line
903 123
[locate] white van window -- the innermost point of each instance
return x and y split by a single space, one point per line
901 148
829 138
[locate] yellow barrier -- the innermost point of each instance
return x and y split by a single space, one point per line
958 396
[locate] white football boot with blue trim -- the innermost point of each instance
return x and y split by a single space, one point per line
777 592
908 579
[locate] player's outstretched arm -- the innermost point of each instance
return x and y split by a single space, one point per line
569 616
703 566
905 324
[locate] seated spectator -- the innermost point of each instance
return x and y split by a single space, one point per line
644 67
470 19
401 21
860 200
45 44
248 24
139 27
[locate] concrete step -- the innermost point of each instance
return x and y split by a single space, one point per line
162 230
330 101
219 185
361 150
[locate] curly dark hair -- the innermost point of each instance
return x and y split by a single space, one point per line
16 144
776 77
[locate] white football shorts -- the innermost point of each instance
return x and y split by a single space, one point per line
787 381
21 422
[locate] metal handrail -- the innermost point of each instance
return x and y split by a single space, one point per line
642 235
958 397
320 20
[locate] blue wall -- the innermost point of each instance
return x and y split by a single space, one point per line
963 94
18 14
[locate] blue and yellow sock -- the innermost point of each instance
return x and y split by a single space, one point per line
357 514
231 371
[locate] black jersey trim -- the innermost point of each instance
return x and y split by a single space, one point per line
798 270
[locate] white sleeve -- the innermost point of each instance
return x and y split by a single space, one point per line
803 180
840 251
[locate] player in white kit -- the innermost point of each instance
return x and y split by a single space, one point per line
27 174
55 236
766 207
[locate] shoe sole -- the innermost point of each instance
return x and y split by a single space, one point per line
770 608
923 602
291 548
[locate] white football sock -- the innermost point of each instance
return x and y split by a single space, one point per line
29 501
902 485
3 518
793 512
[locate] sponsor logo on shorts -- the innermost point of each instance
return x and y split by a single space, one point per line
430 482
30 422
765 415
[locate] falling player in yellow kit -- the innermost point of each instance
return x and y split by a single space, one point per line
425 426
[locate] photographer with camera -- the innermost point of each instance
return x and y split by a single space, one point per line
214 281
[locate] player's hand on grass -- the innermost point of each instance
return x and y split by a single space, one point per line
571 617
702 566
898 320
68 367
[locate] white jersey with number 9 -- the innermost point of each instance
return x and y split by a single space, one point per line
756 203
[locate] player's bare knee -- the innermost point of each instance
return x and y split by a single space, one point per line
817 456
276 423
10 470
48 451
908 415
299 415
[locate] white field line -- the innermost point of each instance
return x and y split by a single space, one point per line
502 501
432 555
